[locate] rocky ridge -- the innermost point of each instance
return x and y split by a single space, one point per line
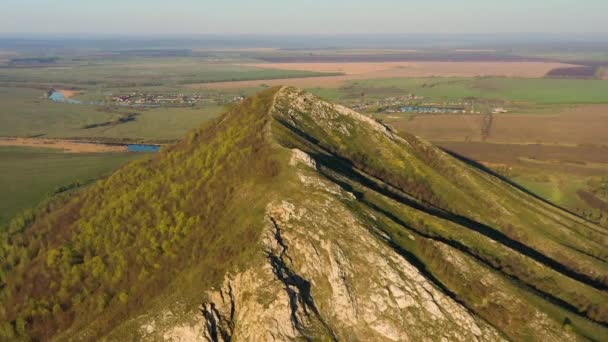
332 270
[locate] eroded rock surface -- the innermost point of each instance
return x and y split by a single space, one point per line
326 275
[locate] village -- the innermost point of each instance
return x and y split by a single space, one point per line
137 99
412 103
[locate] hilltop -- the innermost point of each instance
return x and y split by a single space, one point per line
289 217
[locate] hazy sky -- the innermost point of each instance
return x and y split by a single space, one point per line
303 16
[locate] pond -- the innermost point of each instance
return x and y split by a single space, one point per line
143 148
58 96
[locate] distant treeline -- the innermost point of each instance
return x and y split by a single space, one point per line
574 72
398 57
123 119
156 53
33 60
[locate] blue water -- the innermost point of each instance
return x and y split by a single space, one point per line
58 97
142 148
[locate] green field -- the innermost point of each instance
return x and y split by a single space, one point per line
25 113
29 175
536 91
130 72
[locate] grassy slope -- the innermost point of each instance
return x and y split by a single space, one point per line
29 174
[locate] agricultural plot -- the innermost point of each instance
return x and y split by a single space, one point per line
354 72
142 72
562 126
537 91
398 69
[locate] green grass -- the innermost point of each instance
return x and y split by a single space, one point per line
537 91
23 112
30 174
156 124
329 94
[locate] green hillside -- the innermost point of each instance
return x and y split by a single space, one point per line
294 218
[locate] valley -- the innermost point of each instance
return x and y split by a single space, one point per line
257 193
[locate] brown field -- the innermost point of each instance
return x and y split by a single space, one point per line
369 70
573 126
360 56
65 145
574 160
425 69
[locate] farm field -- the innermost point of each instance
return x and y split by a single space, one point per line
586 160
155 125
537 91
567 126
371 70
140 72
29 175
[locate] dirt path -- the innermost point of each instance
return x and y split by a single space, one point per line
68 146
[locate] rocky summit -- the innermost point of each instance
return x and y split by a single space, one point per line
291 218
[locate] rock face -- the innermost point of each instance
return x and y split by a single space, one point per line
328 275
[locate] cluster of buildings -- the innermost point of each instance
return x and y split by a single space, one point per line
141 99
412 103
136 98
448 108
499 110
428 109
389 102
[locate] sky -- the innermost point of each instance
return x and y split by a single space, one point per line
140 17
